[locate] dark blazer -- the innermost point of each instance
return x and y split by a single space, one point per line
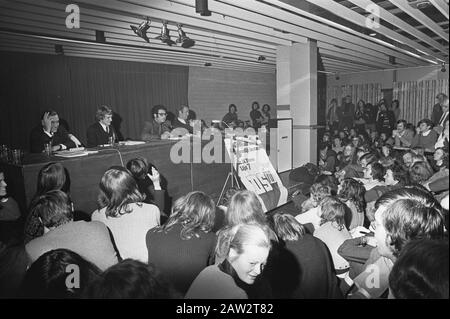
38 138
96 135
176 123
436 113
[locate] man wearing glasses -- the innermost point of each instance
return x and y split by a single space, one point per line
158 127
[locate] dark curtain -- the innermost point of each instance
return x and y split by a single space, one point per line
75 87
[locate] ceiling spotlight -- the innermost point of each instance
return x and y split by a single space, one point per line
141 30
165 35
443 69
208 64
185 41
261 58
337 76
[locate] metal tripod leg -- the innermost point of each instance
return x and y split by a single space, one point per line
233 178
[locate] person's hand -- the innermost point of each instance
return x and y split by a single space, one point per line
155 177
165 135
417 130
46 122
75 140
371 241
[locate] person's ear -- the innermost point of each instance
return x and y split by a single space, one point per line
233 254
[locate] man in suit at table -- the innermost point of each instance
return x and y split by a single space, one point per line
49 131
100 132
182 120
158 127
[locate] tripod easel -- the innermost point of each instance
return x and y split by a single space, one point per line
231 174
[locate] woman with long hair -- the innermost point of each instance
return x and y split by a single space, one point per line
53 176
184 246
351 192
121 207
332 231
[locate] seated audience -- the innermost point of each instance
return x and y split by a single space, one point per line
184 246
9 209
91 240
396 176
328 158
14 262
121 208
181 124
402 136
148 180
50 132
337 145
101 131
302 267
426 137
244 208
158 127
333 233
129 279
311 208
52 176
401 215
244 249
351 192
421 271
373 176
58 274
420 172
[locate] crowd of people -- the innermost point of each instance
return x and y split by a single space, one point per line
373 224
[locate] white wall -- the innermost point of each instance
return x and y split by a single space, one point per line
212 90
386 78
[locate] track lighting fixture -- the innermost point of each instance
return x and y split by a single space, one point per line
185 41
443 69
165 35
141 30
261 58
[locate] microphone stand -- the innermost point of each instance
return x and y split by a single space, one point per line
231 173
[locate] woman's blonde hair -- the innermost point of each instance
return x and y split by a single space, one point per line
243 234
244 207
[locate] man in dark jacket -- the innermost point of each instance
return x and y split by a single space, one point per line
49 131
